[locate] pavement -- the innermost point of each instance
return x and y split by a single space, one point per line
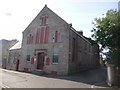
95 78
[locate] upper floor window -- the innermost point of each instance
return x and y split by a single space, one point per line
56 37
30 39
46 34
43 21
42 35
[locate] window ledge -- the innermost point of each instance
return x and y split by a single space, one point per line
44 24
28 61
54 63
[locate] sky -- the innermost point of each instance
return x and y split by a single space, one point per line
16 15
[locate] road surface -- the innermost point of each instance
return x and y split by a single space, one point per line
88 79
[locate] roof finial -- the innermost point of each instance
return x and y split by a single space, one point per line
45 5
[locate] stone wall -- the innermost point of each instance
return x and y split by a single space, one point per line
14 56
55 23
84 53
87 55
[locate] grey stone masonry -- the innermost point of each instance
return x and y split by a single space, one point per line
50 44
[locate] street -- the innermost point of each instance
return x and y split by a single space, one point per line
88 79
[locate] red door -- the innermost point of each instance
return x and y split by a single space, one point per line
40 60
17 65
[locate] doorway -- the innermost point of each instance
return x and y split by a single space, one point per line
17 65
40 60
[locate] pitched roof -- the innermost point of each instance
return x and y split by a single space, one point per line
45 7
16 46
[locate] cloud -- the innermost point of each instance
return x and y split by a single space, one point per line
8 14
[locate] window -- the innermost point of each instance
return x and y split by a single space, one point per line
30 39
46 34
56 37
43 20
42 35
53 37
74 50
55 55
55 58
38 35
28 57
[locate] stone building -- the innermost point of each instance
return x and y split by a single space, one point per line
14 57
52 45
5 45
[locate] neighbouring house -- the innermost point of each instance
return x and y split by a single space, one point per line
5 45
14 57
52 45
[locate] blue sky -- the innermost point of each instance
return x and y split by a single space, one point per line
15 15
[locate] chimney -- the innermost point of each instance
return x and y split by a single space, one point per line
80 32
70 24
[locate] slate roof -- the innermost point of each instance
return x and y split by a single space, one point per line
16 46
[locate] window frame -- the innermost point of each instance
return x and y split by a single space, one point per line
56 37
53 57
27 58
43 20
55 53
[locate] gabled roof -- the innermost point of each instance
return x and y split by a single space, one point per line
16 46
45 7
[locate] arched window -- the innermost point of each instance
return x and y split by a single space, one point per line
43 20
42 35
38 35
30 39
55 55
56 36
46 34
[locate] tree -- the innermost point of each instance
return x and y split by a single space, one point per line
106 32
